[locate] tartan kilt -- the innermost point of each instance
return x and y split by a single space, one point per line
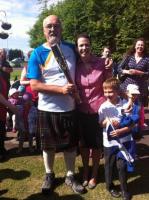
57 129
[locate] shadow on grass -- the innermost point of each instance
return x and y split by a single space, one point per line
54 196
3 192
16 175
142 150
141 184
59 181
13 153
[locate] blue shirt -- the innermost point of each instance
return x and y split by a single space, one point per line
44 67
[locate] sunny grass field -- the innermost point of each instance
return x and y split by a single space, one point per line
21 179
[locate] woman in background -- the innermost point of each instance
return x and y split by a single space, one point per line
135 69
5 68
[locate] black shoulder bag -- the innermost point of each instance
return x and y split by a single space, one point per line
124 65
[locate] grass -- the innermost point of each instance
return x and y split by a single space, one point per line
21 179
16 73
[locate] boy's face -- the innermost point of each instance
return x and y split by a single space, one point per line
111 94
133 97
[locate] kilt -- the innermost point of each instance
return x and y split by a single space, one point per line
57 130
90 132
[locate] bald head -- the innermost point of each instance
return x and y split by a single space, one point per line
52 29
51 18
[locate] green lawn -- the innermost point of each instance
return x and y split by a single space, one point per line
16 73
21 178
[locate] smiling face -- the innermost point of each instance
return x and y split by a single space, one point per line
139 47
111 94
84 48
52 29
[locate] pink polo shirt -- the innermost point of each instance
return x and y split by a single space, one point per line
89 84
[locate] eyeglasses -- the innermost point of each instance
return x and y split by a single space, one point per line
55 26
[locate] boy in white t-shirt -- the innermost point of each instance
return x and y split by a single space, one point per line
118 149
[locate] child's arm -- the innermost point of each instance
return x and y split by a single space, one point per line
23 79
103 123
8 104
129 107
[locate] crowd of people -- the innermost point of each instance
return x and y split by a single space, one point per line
104 123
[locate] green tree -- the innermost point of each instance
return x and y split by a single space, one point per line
114 23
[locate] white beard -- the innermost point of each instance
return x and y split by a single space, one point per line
53 40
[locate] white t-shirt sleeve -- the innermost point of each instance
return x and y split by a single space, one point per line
101 114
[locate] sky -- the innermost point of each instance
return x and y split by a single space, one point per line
22 14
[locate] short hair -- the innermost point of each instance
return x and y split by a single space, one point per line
82 35
112 83
106 47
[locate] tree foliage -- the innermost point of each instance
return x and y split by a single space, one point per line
15 53
113 23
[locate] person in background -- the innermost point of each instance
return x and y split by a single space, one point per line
32 125
26 122
4 105
5 68
90 74
117 138
57 115
106 53
5 71
135 70
24 81
16 100
132 111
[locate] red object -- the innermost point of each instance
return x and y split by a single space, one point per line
29 90
33 93
142 117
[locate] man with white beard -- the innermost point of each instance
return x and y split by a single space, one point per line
57 117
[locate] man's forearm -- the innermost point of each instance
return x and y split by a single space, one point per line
45 88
